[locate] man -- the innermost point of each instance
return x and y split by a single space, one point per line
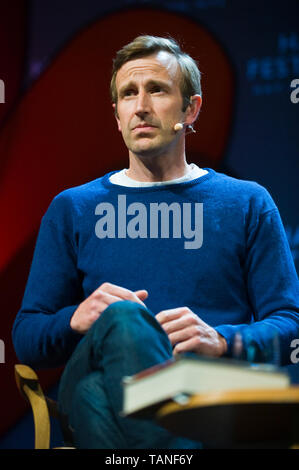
159 259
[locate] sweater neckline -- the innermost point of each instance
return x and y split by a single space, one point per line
185 184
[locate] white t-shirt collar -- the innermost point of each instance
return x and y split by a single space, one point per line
122 179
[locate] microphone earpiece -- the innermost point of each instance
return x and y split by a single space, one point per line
178 126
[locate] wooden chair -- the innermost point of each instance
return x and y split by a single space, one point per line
42 407
229 419
236 418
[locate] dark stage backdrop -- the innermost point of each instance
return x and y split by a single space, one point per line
57 127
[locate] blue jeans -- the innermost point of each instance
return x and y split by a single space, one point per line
126 339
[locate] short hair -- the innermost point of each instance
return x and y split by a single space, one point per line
146 45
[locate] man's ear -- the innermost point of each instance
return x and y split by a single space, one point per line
116 116
193 109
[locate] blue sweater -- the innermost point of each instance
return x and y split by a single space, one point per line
220 250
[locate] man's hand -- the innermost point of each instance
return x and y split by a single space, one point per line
187 332
92 307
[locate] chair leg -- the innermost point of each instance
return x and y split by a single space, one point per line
28 384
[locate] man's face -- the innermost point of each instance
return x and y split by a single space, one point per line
149 103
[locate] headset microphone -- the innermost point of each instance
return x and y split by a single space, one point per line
178 126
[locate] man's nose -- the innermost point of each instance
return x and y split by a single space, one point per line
142 104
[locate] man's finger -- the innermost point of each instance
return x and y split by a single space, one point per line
113 289
170 314
184 334
141 294
191 344
121 292
106 299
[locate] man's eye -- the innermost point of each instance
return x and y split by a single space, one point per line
129 92
156 89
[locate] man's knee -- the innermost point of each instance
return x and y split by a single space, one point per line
124 314
124 307
128 324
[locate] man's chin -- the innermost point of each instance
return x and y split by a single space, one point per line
146 150
146 153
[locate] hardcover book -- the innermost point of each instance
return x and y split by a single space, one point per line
186 375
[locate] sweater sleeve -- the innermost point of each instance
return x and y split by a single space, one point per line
273 291
41 333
